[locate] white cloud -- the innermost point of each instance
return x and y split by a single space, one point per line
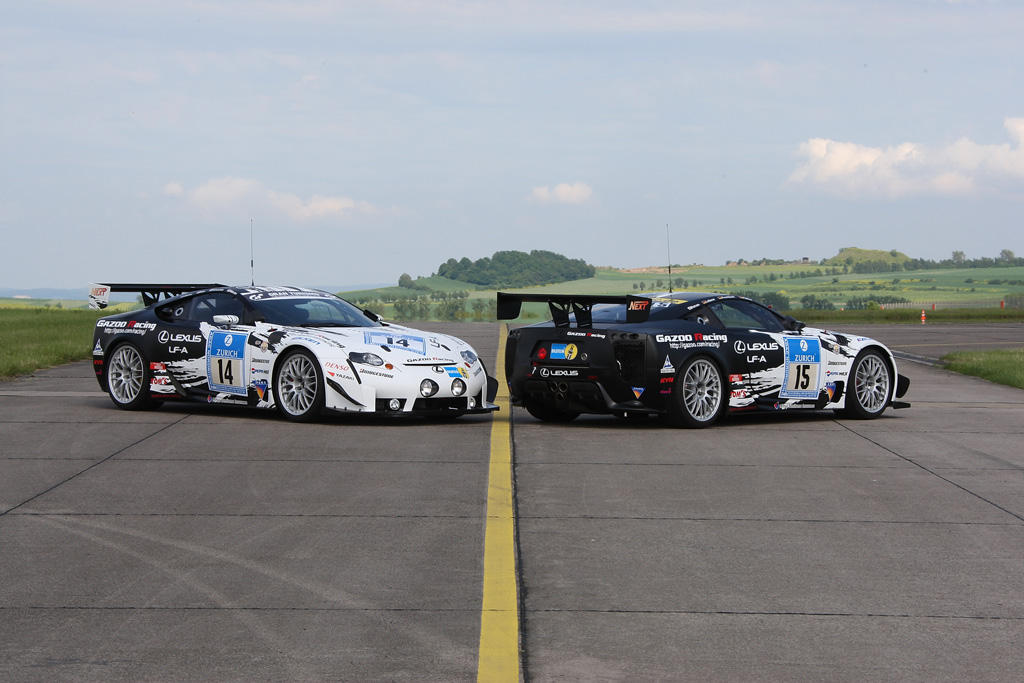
563 193
224 195
964 167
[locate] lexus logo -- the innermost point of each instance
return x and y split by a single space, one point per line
163 337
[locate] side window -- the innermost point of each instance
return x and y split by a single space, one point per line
176 311
205 306
745 315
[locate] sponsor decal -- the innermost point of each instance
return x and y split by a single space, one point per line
559 372
225 356
673 338
334 366
638 306
365 371
573 333
736 379
260 386
258 371
158 367
165 337
668 380
563 351
665 391
668 368
407 342
637 391
455 371
98 349
159 381
803 369
741 346
738 393
830 388
710 337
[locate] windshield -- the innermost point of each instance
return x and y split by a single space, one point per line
312 312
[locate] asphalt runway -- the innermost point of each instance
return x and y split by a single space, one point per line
192 544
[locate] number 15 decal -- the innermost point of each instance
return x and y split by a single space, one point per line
803 369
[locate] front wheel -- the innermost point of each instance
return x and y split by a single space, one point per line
870 387
698 397
299 387
128 378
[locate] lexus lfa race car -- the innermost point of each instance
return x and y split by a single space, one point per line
301 351
691 357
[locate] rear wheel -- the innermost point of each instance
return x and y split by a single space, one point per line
299 387
128 378
546 413
698 397
870 387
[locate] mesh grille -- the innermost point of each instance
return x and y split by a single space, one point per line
630 356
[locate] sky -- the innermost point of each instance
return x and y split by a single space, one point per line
345 143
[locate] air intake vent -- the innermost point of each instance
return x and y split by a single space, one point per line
630 356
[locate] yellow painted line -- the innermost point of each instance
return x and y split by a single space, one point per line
499 615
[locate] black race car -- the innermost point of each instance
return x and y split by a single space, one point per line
692 357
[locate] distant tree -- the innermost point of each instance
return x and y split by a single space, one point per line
405 280
1006 256
958 258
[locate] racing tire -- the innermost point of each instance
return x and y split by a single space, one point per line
698 395
546 413
128 378
299 386
870 387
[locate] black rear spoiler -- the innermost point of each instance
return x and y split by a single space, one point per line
99 295
638 308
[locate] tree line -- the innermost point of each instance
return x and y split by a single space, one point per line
512 269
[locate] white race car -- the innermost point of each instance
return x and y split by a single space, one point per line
302 351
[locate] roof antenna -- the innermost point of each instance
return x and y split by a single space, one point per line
668 248
252 261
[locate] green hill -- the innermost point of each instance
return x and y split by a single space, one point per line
850 256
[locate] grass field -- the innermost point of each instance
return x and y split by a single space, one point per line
34 338
1003 367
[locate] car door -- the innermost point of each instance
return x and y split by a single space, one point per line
219 316
780 363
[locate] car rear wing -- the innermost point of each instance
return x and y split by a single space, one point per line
99 295
638 308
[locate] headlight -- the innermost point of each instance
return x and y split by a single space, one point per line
469 357
428 388
458 387
365 358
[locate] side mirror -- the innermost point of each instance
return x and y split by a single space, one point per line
792 324
225 319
